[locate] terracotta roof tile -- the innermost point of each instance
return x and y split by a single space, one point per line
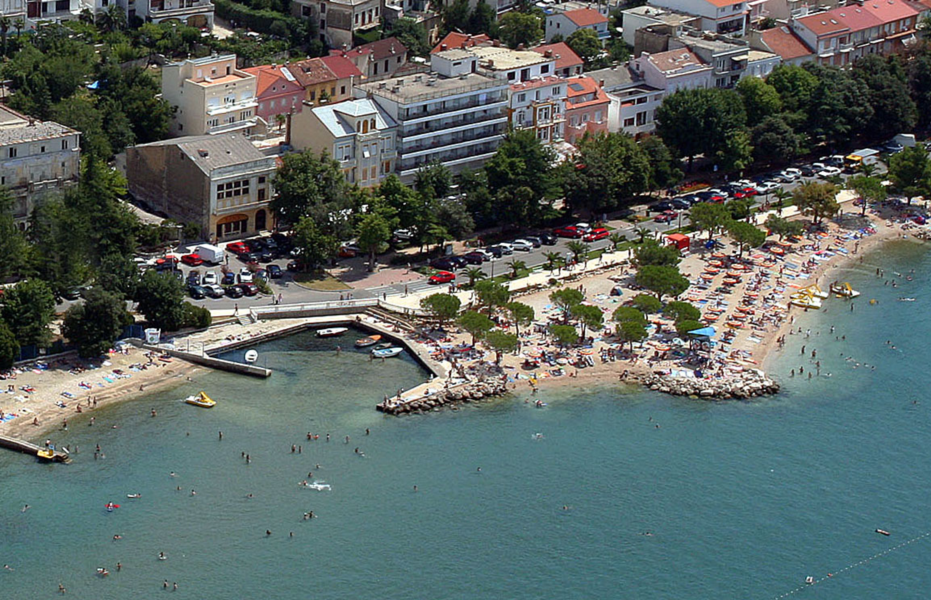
268 77
342 67
584 17
565 57
455 40
385 48
785 43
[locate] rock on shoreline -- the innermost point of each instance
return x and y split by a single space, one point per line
747 384
470 392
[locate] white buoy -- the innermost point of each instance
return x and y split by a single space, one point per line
251 356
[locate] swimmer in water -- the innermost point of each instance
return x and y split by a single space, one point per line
161 556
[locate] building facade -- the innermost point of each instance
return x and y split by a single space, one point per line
326 80
540 105
586 108
718 16
567 22
457 118
220 182
193 13
210 95
277 92
37 158
568 63
673 70
338 20
633 103
358 134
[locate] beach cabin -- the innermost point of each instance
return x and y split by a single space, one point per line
679 240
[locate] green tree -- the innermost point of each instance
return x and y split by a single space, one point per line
687 325
709 217
919 83
316 246
910 172
629 314
456 15
663 281
97 323
444 307
501 341
13 246
836 110
517 28
704 121
408 206
616 239
795 86
664 167
482 20
631 331
476 324
492 294
160 299
579 250
28 309
522 314
586 44
740 208
647 304
516 267
475 274
553 260
816 199
783 227
642 233
746 235
774 140
590 317
521 176
566 299
650 252
761 100
736 153
9 347
118 274
373 233
681 311
607 170
434 177
564 335
412 34
311 185
869 189
454 216
887 93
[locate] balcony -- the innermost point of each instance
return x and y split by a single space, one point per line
179 9
232 127
452 108
428 128
431 145
223 109
846 47
451 158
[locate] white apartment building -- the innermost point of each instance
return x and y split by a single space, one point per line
193 13
539 104
337 20
640 17
51 10
673 70
718 16
37 158
566 22
633 102
358 133
13 9
210 96
455 116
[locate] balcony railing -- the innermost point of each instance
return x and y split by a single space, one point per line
454 139
450 123
452 106
472 152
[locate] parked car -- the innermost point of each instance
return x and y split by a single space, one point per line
250 258
442 277
293 265
522 245
547 239
444 263
245 275
275 272
229 278
767 187
569 231
266 256
808 170
346 252
248 289
667 217
71 293
210 277
237 248
475 257
829 172
261 275
404 235
599 233
661 206
692 199
506 248
213 290
192 259
495 251
234 291
789 175
168 262
193 278
715 196
746 192
583 227
196 292
680 204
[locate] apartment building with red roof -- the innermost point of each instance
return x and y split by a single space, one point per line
277 92
586 108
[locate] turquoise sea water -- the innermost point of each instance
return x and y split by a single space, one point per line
742 499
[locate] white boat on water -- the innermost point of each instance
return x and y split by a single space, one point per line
251 356
332 331
387 352
318 486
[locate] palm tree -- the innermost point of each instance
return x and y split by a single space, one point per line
280 119
553 260
643 232
474 274
19 24
868 169
578 250
516 267
112 19
781 195
5 23
616 239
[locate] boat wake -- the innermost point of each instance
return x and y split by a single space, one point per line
318 486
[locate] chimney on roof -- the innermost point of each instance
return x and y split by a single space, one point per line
601 83
548 54
496 44
520 46
443 47
464 45
203 153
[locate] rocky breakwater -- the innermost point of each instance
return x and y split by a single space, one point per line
461 394
746 384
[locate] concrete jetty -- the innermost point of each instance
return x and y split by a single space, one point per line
33 449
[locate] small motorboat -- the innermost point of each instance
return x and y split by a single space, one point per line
387 352
332 331
383 346
318 486
883 532
368 341
134 495
201 399
251 356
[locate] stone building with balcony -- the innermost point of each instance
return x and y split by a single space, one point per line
210 96
37 158
717 16
193 13
358 133
220 182
51 10
453 116
338 20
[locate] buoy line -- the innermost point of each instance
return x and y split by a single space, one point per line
833 574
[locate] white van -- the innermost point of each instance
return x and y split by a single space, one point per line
211 254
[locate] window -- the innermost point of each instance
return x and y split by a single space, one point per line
557 91
342 90
629 122
522 98
64 144
386 167
545 69
12 153
641 100
262 179
313 95
375 69
598 116
41 148
333 91
261 194
511 76
233 189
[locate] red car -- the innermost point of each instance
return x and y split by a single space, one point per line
667 217
570 231
747 192
599 233
249 289
237 248
192 260
443 277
